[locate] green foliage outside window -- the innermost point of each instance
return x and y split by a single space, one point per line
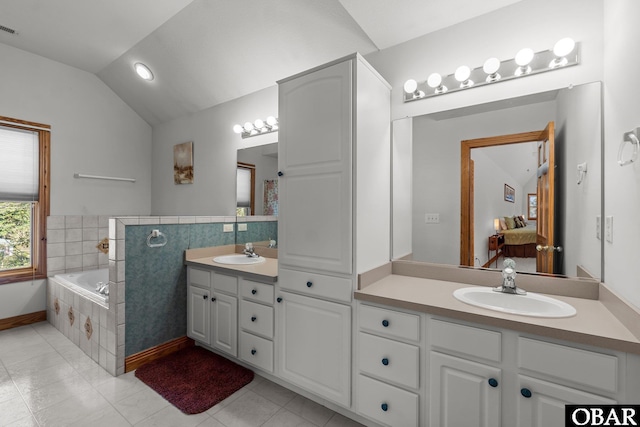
15 235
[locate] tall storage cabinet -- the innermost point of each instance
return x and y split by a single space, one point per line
334 215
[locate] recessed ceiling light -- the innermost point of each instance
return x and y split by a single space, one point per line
143 71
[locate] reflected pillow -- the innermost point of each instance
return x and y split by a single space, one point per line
511 223
523 220
503 224
518 222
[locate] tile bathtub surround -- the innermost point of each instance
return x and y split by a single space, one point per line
72 242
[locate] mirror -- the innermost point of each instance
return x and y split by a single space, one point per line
257 195
429 166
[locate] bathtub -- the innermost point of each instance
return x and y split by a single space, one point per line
85 283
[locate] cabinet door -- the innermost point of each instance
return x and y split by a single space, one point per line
198 314
224 323
315 346
544 405
463 393
314 155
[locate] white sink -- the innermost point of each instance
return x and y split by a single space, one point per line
238 259
531 304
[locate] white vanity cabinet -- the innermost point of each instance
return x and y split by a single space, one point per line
212 309
388 365
256 320
334 215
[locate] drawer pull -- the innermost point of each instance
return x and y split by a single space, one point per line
280 173
213 299
309 284
385 361
205 296
279 299
493 382
254 291
254 351
525 392
384 407
385 323
254 318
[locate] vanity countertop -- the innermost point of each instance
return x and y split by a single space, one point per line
266 271
593 324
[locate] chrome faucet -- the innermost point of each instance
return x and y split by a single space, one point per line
249 251
509 279
102 288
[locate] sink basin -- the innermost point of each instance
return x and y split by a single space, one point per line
531 304
238 259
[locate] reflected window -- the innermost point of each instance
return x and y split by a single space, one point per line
245 189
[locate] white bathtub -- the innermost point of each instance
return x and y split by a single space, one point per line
85 283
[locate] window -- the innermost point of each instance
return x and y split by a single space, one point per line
245 189
24 199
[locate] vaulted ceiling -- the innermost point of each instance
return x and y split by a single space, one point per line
206 52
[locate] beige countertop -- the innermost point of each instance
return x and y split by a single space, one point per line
266 271
593 324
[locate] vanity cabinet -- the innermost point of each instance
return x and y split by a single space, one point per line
212 309
334 215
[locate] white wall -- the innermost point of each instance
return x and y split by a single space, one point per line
213 191
92 131
402 187
537 24
622 114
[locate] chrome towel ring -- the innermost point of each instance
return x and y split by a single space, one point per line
158 238
632 138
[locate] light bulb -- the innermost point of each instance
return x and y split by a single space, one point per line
524 57
238 129
410 86
564 47
462 73
434 80
491 67
259 124
248 127
272 121
143 71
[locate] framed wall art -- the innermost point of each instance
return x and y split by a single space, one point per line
183 163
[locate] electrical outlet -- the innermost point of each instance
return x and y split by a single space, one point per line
227 228
598 227
432 218
608 229
242 227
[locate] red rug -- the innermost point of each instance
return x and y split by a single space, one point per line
194 379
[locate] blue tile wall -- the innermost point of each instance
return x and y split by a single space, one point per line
257 232
156 281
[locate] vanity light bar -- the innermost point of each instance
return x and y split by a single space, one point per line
258 127
526 63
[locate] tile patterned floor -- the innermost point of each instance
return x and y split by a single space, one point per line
45 380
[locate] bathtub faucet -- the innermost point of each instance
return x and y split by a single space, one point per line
102 288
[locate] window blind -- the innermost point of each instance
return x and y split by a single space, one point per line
243 190
19 160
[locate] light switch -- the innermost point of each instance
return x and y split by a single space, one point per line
598 227
432 218
227 228
608 229
242 227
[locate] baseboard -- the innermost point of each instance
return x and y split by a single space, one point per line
23 319
136 360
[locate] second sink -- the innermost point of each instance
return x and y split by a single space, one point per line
238 259
531 304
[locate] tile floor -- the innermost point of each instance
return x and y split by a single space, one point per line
45 380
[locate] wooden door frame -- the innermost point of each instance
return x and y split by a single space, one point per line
466 190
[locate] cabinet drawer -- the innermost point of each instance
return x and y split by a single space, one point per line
199 278
225 283
256 318
316 285
256 291
390 360
386 404
256 351
467 340
572 364
388 322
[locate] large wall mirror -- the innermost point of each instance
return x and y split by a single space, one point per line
429 170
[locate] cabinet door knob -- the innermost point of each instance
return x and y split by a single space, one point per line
213 299
384 407
280 173
525 392
279 299
254 291
385 323
385 361
493 382
254 351
254 318
205 296
309 284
